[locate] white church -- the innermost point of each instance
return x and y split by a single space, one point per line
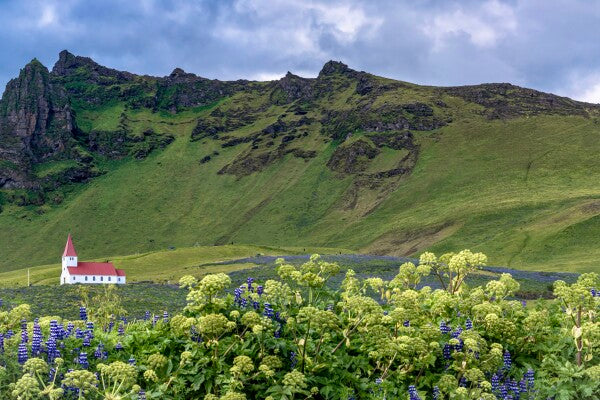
74 271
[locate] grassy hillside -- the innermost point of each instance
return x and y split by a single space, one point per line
523 188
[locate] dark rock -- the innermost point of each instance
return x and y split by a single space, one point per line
69 64
335 67
291 88
396 141
36 124
287 138
365 85
504 100
352 158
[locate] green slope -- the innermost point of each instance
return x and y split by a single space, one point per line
525 188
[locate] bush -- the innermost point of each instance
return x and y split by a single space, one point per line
296 338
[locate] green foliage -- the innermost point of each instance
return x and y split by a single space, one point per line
299 338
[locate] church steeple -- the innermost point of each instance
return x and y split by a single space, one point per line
69 258
69 248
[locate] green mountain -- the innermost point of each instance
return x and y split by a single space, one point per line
131 163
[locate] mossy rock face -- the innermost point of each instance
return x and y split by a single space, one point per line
352 158
503 100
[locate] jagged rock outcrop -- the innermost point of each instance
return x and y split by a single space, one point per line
504 100
69 64
181 89
291 88
36 124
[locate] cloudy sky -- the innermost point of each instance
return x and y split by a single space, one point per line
552 45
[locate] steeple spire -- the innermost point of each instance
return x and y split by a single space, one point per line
69 248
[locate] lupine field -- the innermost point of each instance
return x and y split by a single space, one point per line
296 337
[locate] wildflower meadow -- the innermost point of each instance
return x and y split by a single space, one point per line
298 337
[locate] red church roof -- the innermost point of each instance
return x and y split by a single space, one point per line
95 268
69 248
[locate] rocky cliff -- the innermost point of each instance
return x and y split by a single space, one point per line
38 117
36 125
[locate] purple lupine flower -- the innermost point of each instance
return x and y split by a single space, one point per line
444 328
83 360
22 353
99 352
131 361
529 375
268 310
436 393
36 338
495 383
141 395
54 329
9 334
121 330
146 315
195 335
255 305
111 325
523 386
447 351
51 349
249 282
456 333
83 313
259 290
119 346
468 324
237 293
507 360
503 391
412 392
378 381
513 386
293 359
86 341
462 382
165 316
329 307
1 343
24 335
406 323
155 320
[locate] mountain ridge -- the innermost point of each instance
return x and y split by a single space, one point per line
345 159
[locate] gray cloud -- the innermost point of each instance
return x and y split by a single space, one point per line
551 46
